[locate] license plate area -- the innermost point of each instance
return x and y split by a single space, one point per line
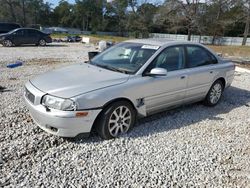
29 96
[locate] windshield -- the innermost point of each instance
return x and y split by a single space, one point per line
12 31
125 57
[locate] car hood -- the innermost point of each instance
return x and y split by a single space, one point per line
77 79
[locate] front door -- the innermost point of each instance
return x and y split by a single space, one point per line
19 37
161 92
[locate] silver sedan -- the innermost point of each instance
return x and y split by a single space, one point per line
130 80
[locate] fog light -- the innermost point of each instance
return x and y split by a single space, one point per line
51 128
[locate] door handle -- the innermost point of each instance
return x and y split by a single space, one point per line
183 77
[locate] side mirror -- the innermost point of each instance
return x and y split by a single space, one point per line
92 54
158 72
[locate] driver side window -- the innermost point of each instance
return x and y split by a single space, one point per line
19 33
171 59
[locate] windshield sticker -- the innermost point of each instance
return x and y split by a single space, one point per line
152 47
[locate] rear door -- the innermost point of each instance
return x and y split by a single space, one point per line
201 72
32 36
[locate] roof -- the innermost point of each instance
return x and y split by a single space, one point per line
26 28
159 41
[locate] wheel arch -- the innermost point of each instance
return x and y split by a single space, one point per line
108 104
222 80
117 100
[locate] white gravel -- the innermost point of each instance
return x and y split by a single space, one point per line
58 51
191 146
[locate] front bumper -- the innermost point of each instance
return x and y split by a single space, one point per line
60 123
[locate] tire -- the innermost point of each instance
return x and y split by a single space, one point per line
42 42
7 43
214 94
115 120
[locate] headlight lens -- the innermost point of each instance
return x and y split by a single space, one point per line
59 103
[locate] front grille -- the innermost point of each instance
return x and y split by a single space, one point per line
29 96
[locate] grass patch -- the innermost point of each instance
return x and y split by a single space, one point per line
236 51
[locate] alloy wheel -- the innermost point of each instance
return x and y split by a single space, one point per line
8 43
215 93
119 121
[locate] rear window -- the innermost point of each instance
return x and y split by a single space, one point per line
198 56
32 32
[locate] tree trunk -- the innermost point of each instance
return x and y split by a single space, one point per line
87 24
246 31
213 39
24 15
217 18
83 23
189 34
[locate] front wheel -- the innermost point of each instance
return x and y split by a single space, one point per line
116 120
214 94
7 43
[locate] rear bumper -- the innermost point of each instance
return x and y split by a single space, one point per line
61 123
48 40
229 81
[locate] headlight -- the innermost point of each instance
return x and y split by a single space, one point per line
59 103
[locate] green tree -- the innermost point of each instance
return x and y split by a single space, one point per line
88 15
140 21
117 11
62 14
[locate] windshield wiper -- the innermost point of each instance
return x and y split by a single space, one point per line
112 68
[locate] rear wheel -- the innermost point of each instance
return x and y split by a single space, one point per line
7 43
116 120
214 94
42 42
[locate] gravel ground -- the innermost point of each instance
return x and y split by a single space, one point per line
191 146
67 52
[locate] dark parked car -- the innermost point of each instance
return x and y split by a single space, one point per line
74 39
6 27
24 36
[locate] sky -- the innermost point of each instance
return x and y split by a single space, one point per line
55 2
